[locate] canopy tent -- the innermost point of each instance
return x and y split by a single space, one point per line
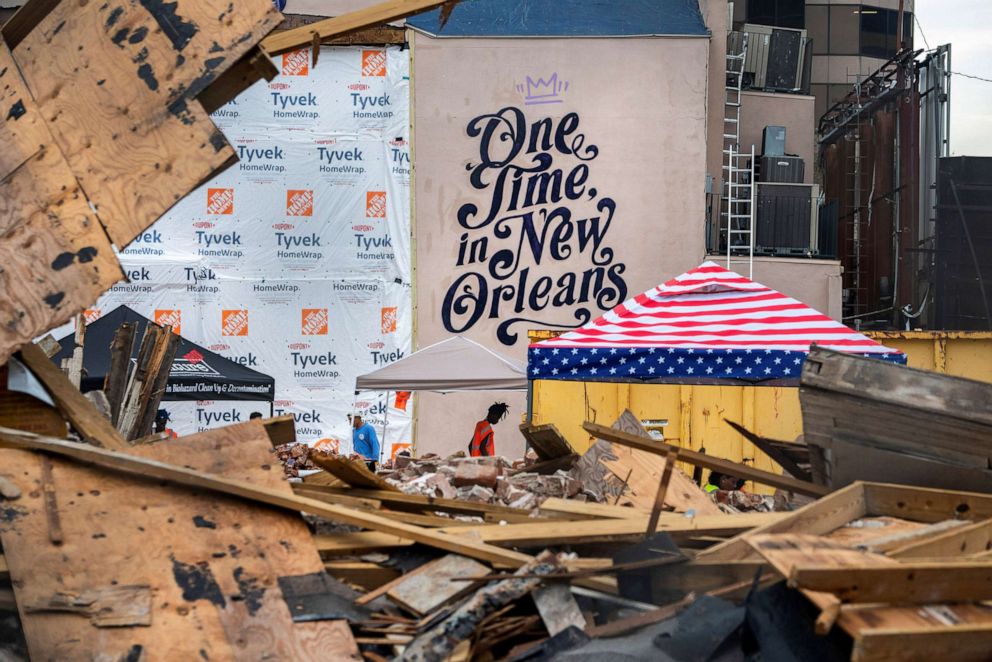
196 373
707 326
455 364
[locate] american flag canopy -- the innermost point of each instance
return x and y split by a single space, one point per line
707 326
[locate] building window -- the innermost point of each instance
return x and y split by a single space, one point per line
879 31
777 13
845 30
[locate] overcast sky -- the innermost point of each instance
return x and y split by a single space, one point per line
965 24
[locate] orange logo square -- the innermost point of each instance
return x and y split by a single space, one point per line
389 320
91 315
314 322
299 203
220 201
329 446
402 398
375 204
173 318
296 63
234 322
396 450
373 63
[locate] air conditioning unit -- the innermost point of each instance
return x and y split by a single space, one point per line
787 220
775 57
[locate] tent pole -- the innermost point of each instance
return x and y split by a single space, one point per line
385 422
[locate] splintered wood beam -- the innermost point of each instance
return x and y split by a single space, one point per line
904 583
966 641
964 540
706 461
93 427
152 470
384 12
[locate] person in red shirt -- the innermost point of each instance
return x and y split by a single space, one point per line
483 440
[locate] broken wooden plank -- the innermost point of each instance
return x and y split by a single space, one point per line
641 473
281 430
961 643
587 509
357 543
121 349
424 592
383 12
573 532
902 583
106 607
547 441
885 543
793 457
93 427
150 469
73 367
352 472
659 500
969 539
707 462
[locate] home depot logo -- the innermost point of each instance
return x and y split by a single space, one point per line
373 63
220 201
389 320
375 204
299 203
328 446
398 448
234 323
296 63
91 315
173 318
314 322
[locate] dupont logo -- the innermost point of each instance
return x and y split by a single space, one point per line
314 322
363 228
219 347
283 403
278 86
282 226
299 203
298 345
378 344
375 204
296 63
91 315
173 318
220 201
389 320
234 323
373 63
359 87
204 224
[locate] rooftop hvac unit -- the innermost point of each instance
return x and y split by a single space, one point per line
775 57
787 220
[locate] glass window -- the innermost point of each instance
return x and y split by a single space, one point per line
845 27
818 28
878 32
778 13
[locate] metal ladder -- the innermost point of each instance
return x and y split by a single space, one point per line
737 201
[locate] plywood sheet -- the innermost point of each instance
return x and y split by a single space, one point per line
212 562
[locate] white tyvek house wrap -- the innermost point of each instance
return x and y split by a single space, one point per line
296 260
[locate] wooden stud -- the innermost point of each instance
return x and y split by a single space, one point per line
384 12
961 643
93 427
903 583
969 539
659 500
708 462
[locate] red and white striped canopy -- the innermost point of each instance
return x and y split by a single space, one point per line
713 308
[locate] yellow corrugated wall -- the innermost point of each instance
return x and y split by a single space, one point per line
696 414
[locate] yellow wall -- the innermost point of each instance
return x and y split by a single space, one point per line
696 414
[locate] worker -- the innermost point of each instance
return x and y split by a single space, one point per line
719 481
365 442
483 442
162 422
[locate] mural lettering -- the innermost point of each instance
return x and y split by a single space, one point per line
542 210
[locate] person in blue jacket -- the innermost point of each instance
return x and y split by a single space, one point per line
364 442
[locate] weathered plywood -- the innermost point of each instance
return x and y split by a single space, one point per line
423 592
97 101
117 82
212 561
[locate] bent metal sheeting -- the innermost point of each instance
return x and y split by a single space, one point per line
707 326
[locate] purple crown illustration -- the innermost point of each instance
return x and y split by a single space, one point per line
542 91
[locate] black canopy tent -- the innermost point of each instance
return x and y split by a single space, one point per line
196 374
